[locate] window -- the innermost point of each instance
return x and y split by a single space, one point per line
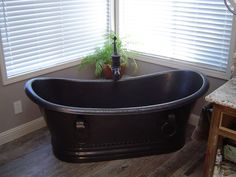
192 32
40 34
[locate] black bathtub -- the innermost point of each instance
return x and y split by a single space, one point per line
91 120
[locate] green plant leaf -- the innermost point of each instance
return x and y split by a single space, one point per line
98 69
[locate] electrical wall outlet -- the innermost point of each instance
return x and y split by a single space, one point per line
17 107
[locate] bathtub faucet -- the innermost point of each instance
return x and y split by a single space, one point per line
115 62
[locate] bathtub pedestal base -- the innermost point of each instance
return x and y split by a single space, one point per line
113 153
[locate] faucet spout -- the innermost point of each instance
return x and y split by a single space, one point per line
116 74
115 62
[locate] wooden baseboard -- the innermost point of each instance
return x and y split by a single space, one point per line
193 119
21 130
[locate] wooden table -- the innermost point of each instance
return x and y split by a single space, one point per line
224 113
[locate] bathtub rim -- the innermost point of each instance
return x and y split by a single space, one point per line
115 111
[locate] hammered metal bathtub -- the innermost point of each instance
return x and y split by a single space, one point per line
92 120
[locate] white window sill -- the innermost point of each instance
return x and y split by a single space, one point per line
184 65
7 81
149 59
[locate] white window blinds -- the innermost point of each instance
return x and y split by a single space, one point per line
39 34
194 31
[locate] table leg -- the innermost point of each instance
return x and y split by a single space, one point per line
212 143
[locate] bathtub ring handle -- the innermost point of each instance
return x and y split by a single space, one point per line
168 129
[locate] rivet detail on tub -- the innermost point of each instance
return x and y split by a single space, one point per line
80 124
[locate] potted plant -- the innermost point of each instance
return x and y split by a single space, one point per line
101 58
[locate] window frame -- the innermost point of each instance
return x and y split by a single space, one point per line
58 67
168 62
146 58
